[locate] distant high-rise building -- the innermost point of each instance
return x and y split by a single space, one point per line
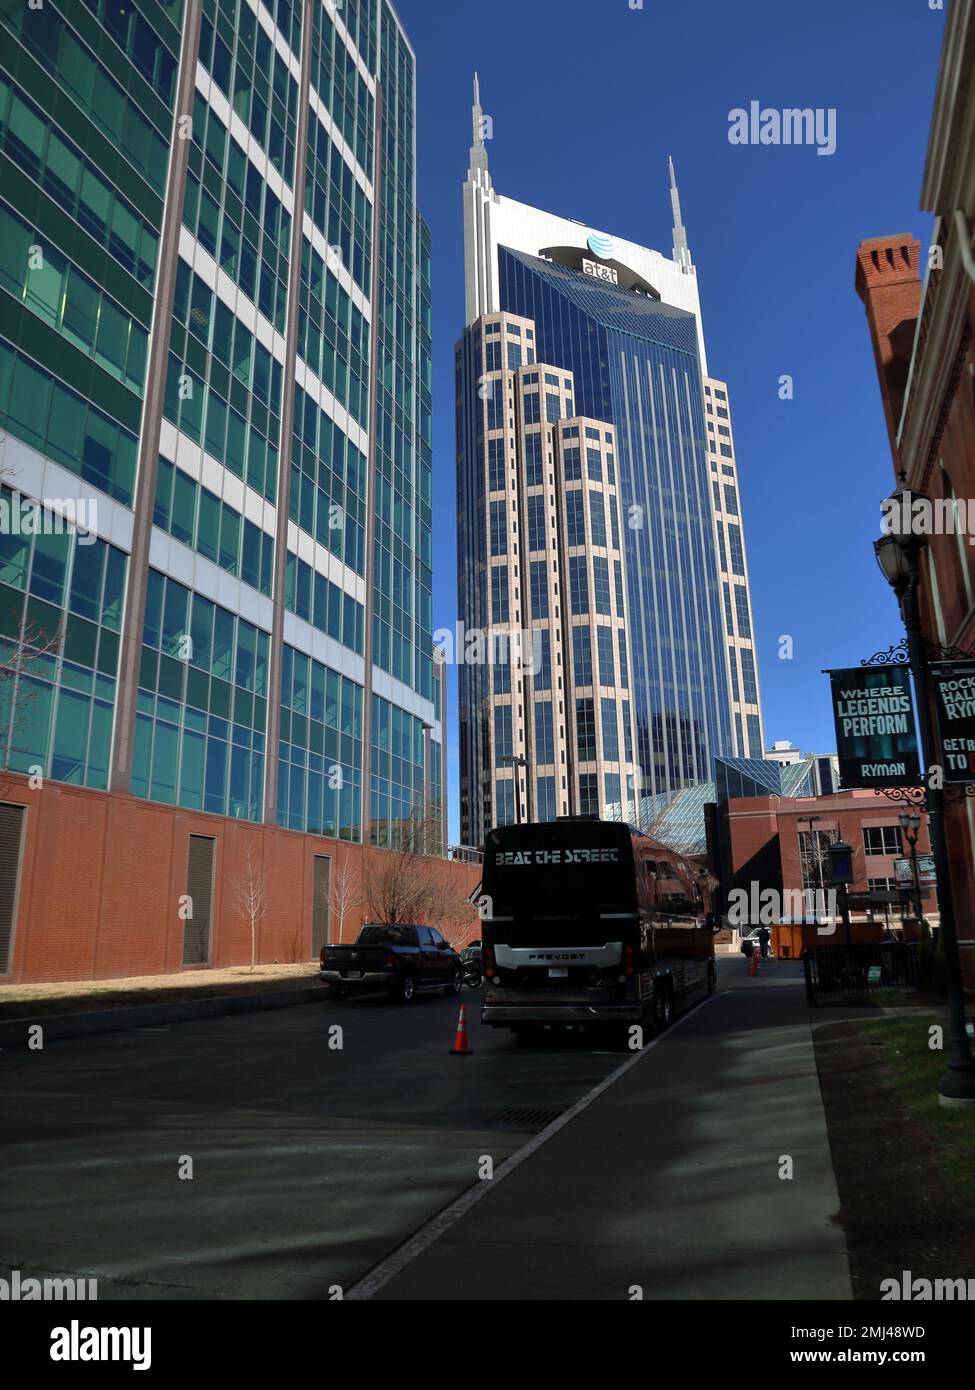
611 333
746 708
824 768
215 338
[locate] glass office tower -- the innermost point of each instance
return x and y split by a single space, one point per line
625 322
215 347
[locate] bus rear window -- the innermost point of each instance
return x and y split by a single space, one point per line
559 870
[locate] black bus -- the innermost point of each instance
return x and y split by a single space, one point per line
588 921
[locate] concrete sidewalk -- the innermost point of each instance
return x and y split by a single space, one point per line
669 1182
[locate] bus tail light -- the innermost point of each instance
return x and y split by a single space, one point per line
628 966
488 962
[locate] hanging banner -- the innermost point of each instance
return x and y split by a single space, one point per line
876 738
903 871
926 875
954 690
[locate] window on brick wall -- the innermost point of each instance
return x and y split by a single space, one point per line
881 839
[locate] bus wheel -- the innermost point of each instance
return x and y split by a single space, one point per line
664 1001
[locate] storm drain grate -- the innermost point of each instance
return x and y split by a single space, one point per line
525 1115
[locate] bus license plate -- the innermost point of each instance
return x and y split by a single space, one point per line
559 972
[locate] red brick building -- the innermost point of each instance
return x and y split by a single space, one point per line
920 305
102 880
768 842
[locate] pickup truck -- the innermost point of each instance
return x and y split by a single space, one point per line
400 960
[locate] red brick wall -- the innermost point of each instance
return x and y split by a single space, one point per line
892 295
103 874
887 280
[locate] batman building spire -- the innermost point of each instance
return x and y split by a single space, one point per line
479 172
478 196
682 254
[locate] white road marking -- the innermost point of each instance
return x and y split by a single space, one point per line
422 1239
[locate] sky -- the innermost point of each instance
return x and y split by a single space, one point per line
587 102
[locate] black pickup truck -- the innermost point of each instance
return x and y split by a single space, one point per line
400 960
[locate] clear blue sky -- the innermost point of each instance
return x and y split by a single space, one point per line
588 100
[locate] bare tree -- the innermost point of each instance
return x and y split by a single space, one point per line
450 909
250 890
344 893
814 856
400 884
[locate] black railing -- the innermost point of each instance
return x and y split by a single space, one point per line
836 973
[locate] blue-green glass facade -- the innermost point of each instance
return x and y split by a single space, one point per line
61 599
287 495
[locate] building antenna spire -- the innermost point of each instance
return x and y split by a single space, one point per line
682 254
478 172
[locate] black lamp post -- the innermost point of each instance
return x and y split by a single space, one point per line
899 556
817 861
841 873
910 828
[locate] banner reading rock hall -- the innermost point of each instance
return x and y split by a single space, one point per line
954 688
876 739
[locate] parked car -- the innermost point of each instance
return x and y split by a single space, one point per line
400 960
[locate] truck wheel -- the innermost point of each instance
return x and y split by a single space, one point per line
335 991
663 1004
455 985
405 989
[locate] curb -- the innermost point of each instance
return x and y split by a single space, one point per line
14 1031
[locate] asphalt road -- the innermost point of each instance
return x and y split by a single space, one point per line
310 1163
702 1173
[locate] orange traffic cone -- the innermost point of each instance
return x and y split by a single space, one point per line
460 1047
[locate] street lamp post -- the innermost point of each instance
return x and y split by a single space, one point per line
814 847
910 828
841 873
899 554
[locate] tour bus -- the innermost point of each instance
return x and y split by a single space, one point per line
588 921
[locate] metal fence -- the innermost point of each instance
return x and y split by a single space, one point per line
837 973
465 854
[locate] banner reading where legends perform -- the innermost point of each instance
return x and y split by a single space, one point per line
876 738
954 687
